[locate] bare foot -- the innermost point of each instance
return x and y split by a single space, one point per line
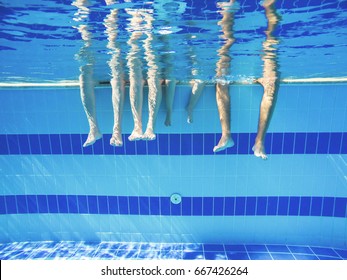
168 119
116 139
259 150
149 135
136 135
190 115
92 137
224 143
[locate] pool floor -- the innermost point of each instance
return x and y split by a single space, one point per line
71 250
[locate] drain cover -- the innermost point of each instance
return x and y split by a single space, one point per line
175 198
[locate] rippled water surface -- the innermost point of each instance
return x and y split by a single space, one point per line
48 40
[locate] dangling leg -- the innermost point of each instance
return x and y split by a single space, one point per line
154 100
118 89
269 86
223 104
197 88
170 86
88 101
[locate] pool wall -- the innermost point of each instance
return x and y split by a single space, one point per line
53 189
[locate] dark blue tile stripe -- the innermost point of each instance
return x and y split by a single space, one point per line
174 144
190 206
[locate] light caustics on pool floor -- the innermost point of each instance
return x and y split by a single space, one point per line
49 250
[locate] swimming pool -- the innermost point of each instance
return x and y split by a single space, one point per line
55 193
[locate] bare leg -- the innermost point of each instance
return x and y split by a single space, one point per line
88 102
197 88
170 86
118 90
269 81
223 104
154 100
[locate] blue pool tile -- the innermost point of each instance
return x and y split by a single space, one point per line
129 147
194 255
277 143
288 143
305 206
229 206
256 248
176 209
283 205
235 248
24 144
209 143
62 204
237 256
107 148
311 143
207 204
3 145
103 204
342 253
66 144
215 256
300 250
72 204
163 144
282 256
52 204
243 144
328 206
218 206
92 204
134 208
321 251
198 144
344 143
335 143
340 208
272 205
13 144
186 206
82 204
305 257
300 143
123 205
323 143
144 205
251 206
267 144
294 202
22 206
175 144
154 205
55 144
121 150
260 256
277 249
45 144
213 247
197 206
2 205
164 206
261 205
153 146
32 204
35 146
76 144
98 146
141 147
113 204
186 144
240 206
42 203
329 258
316 206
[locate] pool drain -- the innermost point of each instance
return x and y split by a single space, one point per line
175 198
